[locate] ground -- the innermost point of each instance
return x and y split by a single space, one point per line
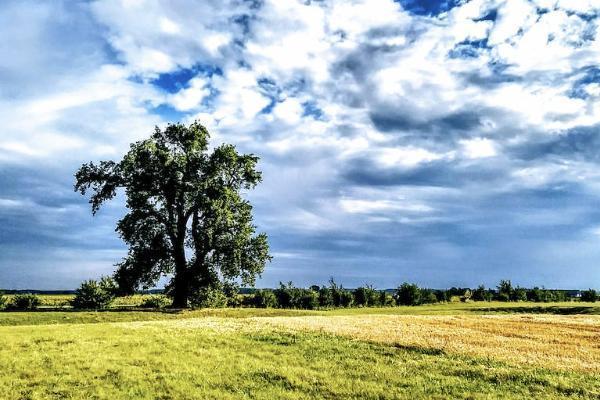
478 350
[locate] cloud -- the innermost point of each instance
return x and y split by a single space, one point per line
399 140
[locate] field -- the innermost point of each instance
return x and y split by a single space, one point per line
474 350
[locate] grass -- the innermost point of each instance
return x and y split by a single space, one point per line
441 351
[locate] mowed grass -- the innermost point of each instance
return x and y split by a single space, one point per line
271 354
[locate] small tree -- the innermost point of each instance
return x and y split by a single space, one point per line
341 297
589 295
408 294
519 294
325 297
505 290
309 299
479 294
365 296
428 296
3 300
264 299
94 295
24 302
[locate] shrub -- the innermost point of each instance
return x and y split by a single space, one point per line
264 299
518 294
287 295
94 295
209 297
505 290
309 299
325 297
27 301
3 300
466 296
589 295
340 296
479 294
428 296
502 297
386 300
345 298
408 295
155 302
365 296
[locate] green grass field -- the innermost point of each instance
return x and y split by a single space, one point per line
473 350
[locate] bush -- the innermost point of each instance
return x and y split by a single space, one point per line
3 301
480 294
325 297
340 296
505 290
24 302
309 299
386 300
209 297
155 302
408 295
94 295
518 294
428 296
287 295
365 296
589 295
264 299
502 297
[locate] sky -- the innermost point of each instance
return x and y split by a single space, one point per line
446 143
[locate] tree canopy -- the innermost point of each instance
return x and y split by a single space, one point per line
186 216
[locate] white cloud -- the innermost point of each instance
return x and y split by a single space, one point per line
478 148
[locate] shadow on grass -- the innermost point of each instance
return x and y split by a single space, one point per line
429 351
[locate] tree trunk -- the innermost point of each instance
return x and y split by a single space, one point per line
181 287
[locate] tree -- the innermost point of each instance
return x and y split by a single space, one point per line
187 216
408 295
94 295
589 295
505 290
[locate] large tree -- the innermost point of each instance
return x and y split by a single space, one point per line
187 217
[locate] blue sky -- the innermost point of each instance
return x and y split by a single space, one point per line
440 142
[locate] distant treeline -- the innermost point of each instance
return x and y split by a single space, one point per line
100 295
334 295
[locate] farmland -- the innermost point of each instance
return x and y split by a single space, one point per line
494 350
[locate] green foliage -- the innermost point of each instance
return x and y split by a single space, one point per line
589 295
340 296
209 297
325 297
519 294
155 301
94 295
264 299
24 302
309 299
481 294
408 294
505 290
366 296
428 296
3 300
182 200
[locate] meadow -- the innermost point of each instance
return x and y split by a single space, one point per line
455 350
